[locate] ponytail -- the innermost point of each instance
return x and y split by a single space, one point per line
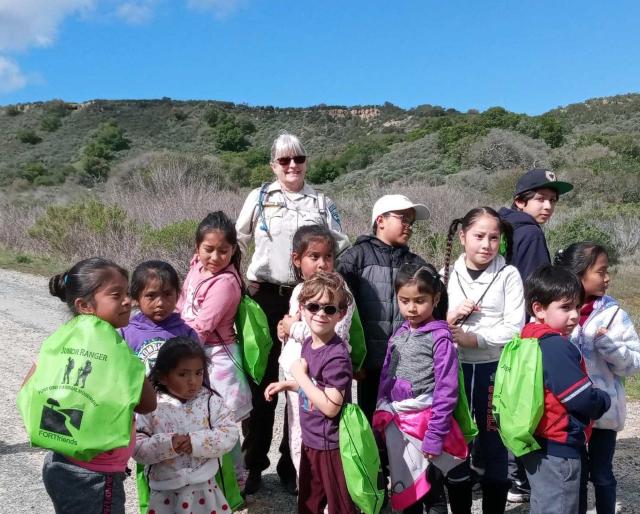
453 230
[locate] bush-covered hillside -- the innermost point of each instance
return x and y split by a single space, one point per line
596 143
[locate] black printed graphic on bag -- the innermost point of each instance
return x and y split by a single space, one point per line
61 421
67 370
83 373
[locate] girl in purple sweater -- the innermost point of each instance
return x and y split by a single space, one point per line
418 394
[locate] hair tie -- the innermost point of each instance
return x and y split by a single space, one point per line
65 278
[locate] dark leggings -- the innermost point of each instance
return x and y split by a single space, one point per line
478 382
435 501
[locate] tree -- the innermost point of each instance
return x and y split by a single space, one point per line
111 136
229 137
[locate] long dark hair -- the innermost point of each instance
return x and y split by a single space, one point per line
579 257
170 355
427 281
469 219
304 236
218 220
83 280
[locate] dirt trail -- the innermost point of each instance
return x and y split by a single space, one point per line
28 314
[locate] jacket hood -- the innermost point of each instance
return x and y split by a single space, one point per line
516 217
427 327
374 241
538 330
141 322
605 302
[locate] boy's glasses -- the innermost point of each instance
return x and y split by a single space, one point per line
314 308
405 220
298 159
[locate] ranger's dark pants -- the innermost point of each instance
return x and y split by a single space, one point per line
258 428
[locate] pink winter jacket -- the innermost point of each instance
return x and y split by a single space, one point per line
208 303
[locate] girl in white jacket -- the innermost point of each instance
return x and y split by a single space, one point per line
486 309
611 350
181 441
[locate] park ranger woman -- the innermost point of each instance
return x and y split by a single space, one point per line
271 214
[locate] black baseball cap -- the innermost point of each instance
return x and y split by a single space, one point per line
538 178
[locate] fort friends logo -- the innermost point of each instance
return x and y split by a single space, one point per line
63 423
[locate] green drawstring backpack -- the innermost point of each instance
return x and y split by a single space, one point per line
228 482
86 379
518 395
254 337
357 341
462 414
360 459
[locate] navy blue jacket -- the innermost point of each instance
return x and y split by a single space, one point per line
529 245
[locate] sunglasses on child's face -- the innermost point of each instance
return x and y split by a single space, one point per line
314 308
298 159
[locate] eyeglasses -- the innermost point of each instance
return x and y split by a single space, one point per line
314 308
298 159
405 220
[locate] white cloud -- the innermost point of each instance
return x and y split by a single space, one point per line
11 76
136 13
220 8
28 23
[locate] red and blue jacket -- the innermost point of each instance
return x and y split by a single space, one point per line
571 403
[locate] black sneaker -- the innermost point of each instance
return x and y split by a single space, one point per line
253 483
518 494
290 485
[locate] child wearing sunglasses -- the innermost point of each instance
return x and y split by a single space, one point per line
322 378
314 249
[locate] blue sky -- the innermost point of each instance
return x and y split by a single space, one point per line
527 56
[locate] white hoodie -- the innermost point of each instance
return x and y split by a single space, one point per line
501 315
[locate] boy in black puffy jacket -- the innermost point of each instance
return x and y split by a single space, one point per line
369 267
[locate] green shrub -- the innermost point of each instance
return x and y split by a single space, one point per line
60 224
57 108
13 110
230 137
110 135
95 170
28 136
179 115
260 174
322 171
579 229
32 170
50 123
171 237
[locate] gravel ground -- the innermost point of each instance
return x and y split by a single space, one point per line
28 314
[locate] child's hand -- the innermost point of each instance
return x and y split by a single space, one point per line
299 367
601 331
180 443
462 338
462 311
429 456
287 321
273 389
282 335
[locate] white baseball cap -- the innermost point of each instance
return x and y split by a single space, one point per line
388 203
